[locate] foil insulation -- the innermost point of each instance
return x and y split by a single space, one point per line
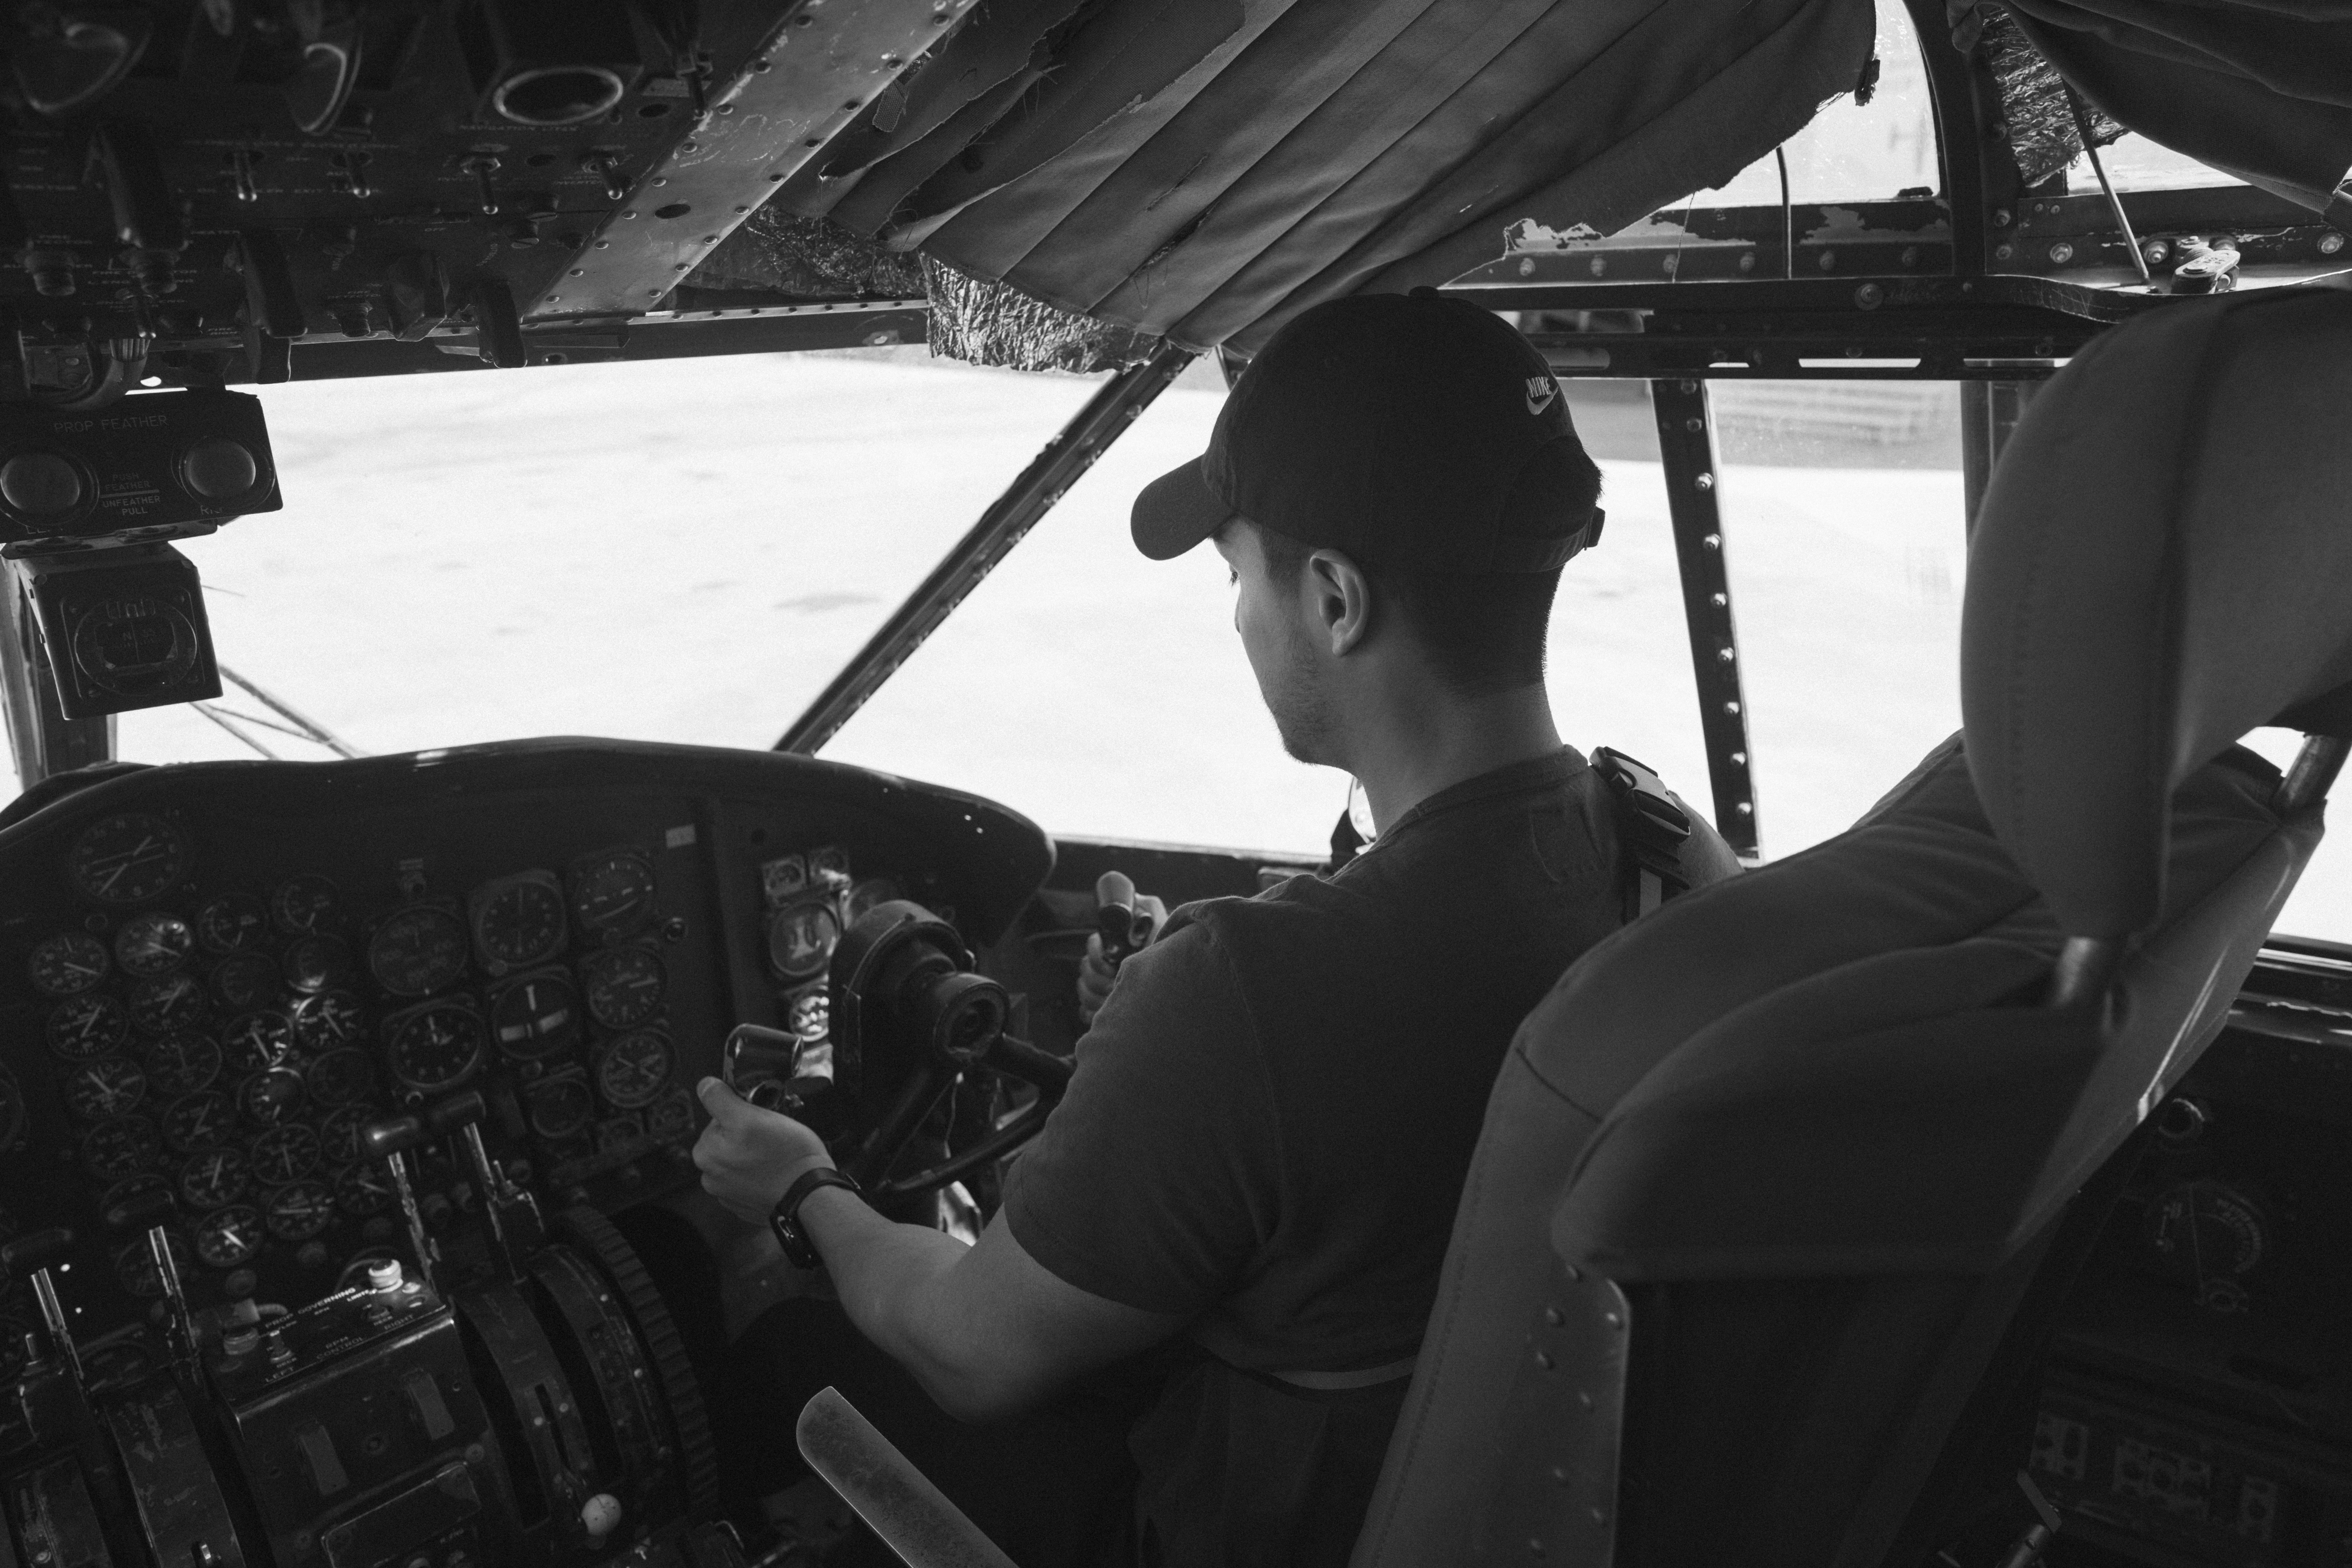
2042 132
996 325
807 259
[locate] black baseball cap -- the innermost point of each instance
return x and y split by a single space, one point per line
1409 430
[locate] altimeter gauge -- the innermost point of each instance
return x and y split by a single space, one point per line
298 1211
624 985
434 1047
229 1236
180 1064
331 1018
199 1121
418 951
122 1147
68 964
153 942
212 1178
612 892
632 1070
162 1007
80 1027
232 923
102 1088
285 1153
517 920
128 859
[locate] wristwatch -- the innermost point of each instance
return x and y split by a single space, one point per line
784 1219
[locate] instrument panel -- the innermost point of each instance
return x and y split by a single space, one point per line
214 977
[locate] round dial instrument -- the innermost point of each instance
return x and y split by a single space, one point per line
341 1077
256 1041
314 963
867 893
199 1121
80 1027
809 1015
339 1134
229 1236
212 1178
305 904
162 1006
128 859
266 1099
434 1047
245 980
298 1211
624 985
232 923
153 942
284 1153
134 1265
68 964
632 1071
418 951
613 892
559 1106
362 1189
536 1016
802 937
103 1088
122 1147
331 1018
180 1064
116 1207
519 922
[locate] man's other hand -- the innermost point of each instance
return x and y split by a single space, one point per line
749 1156
1096 972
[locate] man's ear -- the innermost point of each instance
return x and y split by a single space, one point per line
1340 599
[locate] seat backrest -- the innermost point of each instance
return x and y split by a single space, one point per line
1769 1172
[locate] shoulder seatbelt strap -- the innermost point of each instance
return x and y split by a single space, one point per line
1651 828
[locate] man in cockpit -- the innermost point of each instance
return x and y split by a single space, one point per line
1257 1166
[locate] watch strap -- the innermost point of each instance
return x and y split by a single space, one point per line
784 1219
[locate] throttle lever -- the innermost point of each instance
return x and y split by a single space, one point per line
1122 929
388 1140
761 1065
515 1228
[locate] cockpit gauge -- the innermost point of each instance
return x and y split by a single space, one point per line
127 859
233 923
255 1041
243 980
305 904
102 1088
559 1106
164 1006
68 964
331 1018
517 920
362 1189
418 951
314 963
229 1236
180 1064
341 1077
536 1015
632 1070
81 1028
134 1265
134 1192
283 1154
434 1047
672 1116
212 1178
867 893
196 1123
298 1211
612 893
624 985
339 1134
153 942
266 1099
808 1016
122 1147
802 937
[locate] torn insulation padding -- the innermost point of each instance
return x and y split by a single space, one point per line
996 325
2034 97
778 251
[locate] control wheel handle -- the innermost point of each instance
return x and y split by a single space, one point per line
461 1110
36 1250
392 1135
1115 921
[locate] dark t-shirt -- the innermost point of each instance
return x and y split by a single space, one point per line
1269 1127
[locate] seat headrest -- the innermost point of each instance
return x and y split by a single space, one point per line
2160 565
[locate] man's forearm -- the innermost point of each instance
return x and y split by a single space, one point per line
889 1279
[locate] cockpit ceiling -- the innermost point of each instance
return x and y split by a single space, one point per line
1204 169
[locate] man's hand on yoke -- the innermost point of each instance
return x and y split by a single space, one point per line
988 1330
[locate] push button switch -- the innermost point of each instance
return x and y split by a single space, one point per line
40 484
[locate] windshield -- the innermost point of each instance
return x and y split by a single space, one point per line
683 550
